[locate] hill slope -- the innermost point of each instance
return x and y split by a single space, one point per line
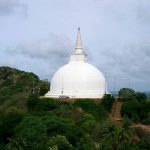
16 86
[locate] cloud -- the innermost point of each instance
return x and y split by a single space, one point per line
52 46
115 36
44 55
130 62
8 7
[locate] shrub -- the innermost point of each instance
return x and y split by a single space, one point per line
86 104
31 134
126 93
146 121
32 102
131 109
90 106
8 122
87 122
144 143
141 97
108 101
47 104
101 112
59 142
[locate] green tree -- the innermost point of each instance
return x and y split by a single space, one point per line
100 112
44 87
141 97
144 143
126 93
32 102
131 110
108 101
108 136
13 145
47 104
59 142
113 137
8 122
86 104
62 126
87 122
31 134
86 143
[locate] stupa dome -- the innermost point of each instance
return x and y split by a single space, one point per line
77 79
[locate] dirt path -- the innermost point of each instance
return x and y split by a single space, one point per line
116 112
115 116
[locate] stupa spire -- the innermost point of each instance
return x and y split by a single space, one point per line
79 49
78 54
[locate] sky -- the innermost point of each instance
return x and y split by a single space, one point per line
39 35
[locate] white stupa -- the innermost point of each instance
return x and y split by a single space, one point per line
77 79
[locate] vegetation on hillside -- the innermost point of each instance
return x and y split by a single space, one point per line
16 86
51 124
136 106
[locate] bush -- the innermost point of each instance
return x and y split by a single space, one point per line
60 142
126 93
108 101
8 122
144 143
87 122
86 143
62 126
47 104
32 102
31 134
43 87
131 109
90 106
100 112
141 97
146 121
86 104
136 110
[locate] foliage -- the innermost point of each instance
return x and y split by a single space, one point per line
50 124
108 101
32 102
13 145
144 143
31 134
86 143
87 122
141 97
44 87
59 142
100 112
146 121
86 104
8 122
90 106
16 84
131 109
46 104
113 137
126 93
62 126
136 110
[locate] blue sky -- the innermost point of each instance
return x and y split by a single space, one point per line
39 36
